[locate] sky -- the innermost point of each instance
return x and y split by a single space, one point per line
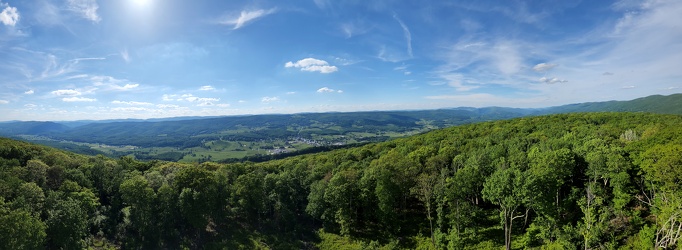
95 59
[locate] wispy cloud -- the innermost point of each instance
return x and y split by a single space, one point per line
407 34
354 28
4 102
312 65
543 67
167 106
78 99
403 69
507 58
552 80
125 56
129 86
132 103
167 97
114 84
328 90
29 92
268 99
638 46
86 8
322 4
37 66
246 17
66 92
192 98
206 88
9 15
494 62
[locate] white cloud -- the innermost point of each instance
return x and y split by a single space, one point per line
347 29
9 16
167 97
345 61
66 92
129 109
322 3
131 103
507 58
628 87
130 86
552 80
78 99
125 55
400 68
387 54
223 105
269 99
206 88
312 65
4 101
86 8
246 17
166 106
204 104
29 92
328 90
291 92
408 35
542 67
403 69
113 83
203 101
457 81
325 90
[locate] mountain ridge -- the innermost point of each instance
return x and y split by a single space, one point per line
193 131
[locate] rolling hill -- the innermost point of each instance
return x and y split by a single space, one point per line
188 132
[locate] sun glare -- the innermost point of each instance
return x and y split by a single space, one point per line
141 3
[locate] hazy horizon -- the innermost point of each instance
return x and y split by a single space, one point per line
140 59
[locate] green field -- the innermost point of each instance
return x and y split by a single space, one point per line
221 150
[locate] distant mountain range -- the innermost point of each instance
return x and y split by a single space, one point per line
177 131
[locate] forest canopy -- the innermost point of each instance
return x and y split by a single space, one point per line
588 180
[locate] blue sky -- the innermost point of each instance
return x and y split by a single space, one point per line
88 59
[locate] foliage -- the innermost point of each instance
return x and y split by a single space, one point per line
595 180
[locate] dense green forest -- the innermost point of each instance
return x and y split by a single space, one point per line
588 181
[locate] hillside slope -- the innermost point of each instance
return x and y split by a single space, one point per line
671 104
593 180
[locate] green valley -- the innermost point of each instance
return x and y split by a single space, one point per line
263 137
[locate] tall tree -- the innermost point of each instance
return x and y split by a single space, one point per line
662 165
504 188
19 229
